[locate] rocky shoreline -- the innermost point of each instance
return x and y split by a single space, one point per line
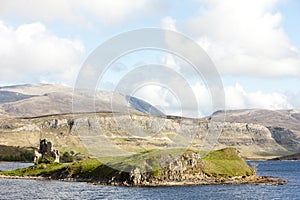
163 168
231 181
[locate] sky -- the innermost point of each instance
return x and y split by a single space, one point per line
254 44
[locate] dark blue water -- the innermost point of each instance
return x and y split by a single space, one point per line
32 189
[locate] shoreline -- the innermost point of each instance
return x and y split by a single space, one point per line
252 180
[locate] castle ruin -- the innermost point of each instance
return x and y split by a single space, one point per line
45 151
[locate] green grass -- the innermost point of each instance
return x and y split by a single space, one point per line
146 161
93 168
86 169
37 170
226 163
220 163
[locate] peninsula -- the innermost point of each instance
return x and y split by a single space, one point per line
166 168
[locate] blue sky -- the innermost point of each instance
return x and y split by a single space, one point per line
291 15
255 45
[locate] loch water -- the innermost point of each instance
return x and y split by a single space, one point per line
42 189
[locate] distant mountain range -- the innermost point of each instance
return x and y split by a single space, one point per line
288 119
47 99
284 125
29 112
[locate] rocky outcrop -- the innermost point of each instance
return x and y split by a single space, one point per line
183 168
285 138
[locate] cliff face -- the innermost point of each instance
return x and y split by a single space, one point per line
288 119
284 125
118 134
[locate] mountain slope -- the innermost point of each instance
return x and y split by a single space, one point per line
7 96
289 119
284 125
47 99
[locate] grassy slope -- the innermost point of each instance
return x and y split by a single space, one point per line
90 169
226 162
37 170
11 153
220 163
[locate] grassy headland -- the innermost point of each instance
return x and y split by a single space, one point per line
170 167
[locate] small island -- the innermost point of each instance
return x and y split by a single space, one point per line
172 167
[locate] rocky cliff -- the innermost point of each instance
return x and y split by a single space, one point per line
109 132
284 125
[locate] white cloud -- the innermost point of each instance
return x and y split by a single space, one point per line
158 97
168 23
81 12
169 60
238 98
245 38
235 97
203 99
294 98
30 53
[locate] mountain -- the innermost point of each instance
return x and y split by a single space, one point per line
55 112
289 119
7 96
284 125
48 99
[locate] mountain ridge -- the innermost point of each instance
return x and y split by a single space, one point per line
258 134
47 99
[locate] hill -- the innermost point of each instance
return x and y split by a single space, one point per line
288 119
48 99
284 125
